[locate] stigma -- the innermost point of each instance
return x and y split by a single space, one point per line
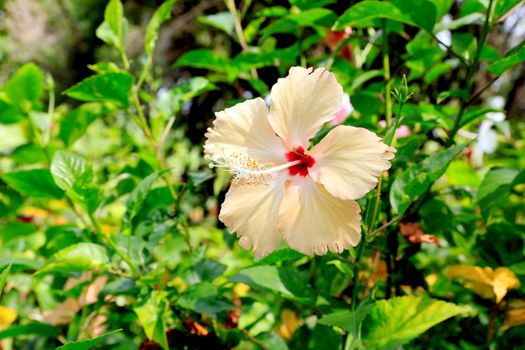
303 161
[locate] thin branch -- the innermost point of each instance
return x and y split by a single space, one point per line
450 50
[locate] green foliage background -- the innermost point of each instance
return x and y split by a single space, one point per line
109 235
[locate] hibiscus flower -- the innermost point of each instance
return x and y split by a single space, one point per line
283 187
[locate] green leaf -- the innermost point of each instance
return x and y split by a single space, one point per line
73 174
501 245
35 328
318 17
392 323
27 84
75 123
412 183
9 114
473 18
285 282
252 29
87 344
79 257
363 78
161 15
308 4
37 183
3 278
68 168
22 263
28 154
203 58
510 60
113 15
112 30
349 320
204 298
495 187
465 44
420 13
314 17
442 7
279 256
152 315
136 199
504 6
221 20
110 87
172 102
459 93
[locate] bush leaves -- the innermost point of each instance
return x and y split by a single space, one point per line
412 183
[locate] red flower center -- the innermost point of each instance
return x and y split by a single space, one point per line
306 161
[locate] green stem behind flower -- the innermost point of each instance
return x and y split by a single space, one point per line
113 245
386 75
472 68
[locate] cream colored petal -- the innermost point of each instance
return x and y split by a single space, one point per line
349 160
252 212
312 221
244 129
302 102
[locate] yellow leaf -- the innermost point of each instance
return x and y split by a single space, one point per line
241 289
503 280
35 212
486 282
178 283
288 324
7 316
515 315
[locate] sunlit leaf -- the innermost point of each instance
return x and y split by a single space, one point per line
73 174
68 168
77 258
152 315
392 323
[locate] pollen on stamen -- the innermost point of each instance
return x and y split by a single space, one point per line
244 169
